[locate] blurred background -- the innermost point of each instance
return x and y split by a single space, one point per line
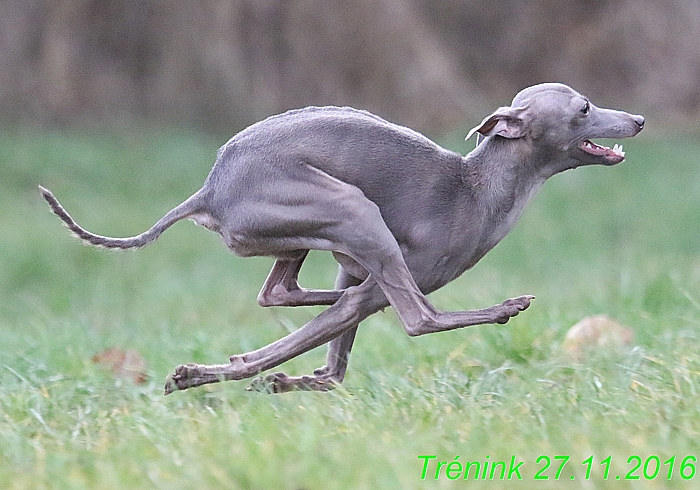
219 65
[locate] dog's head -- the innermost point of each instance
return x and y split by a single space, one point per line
562 123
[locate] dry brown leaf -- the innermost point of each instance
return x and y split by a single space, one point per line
125 364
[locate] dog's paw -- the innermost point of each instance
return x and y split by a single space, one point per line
281 383
511 307
270 383
189 376
178 380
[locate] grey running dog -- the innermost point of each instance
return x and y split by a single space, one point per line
401 215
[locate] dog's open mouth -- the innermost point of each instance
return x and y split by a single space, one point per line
613 155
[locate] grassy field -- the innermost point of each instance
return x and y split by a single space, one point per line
620 241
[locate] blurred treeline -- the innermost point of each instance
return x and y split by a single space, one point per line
430 64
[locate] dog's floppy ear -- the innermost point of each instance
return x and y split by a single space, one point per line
507 122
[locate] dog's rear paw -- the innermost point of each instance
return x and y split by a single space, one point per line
192 375
281 383
179 380
170 384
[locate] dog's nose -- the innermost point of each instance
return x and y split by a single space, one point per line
640 121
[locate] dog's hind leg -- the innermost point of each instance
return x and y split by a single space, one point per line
326 377
354 305
281 287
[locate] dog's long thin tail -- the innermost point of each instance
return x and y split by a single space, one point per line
189 207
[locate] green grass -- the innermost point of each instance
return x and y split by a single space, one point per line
620 241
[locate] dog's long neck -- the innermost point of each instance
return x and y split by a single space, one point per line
504 177
503 174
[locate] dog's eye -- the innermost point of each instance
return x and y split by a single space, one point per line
586 108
